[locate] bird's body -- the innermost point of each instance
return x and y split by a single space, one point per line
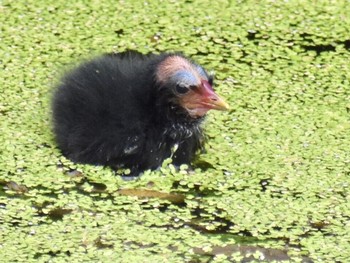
119 110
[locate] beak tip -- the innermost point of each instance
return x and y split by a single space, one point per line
222 105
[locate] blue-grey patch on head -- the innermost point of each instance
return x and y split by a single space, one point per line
202 72
185 78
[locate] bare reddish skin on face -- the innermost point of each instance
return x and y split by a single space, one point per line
202 99
197 101
173 64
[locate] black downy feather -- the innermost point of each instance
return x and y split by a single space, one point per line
111 111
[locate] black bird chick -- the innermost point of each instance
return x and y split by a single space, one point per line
130 110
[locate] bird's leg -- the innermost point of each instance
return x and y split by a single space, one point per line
183 154
134 174
127 174
130 177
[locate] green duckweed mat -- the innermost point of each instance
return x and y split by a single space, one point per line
273 185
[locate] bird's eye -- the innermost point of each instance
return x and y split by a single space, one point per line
211 80
181 89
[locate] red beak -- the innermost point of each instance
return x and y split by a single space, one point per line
199 101
210 99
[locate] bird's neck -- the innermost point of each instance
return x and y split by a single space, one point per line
176 123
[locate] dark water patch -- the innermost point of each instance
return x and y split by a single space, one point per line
319 48
52 254
252 34
119 31
102 244
58 213
346 44
264 183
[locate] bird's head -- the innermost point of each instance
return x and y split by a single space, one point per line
190 86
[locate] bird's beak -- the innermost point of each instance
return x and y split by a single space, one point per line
210 99
203 99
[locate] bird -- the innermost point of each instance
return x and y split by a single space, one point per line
130 110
